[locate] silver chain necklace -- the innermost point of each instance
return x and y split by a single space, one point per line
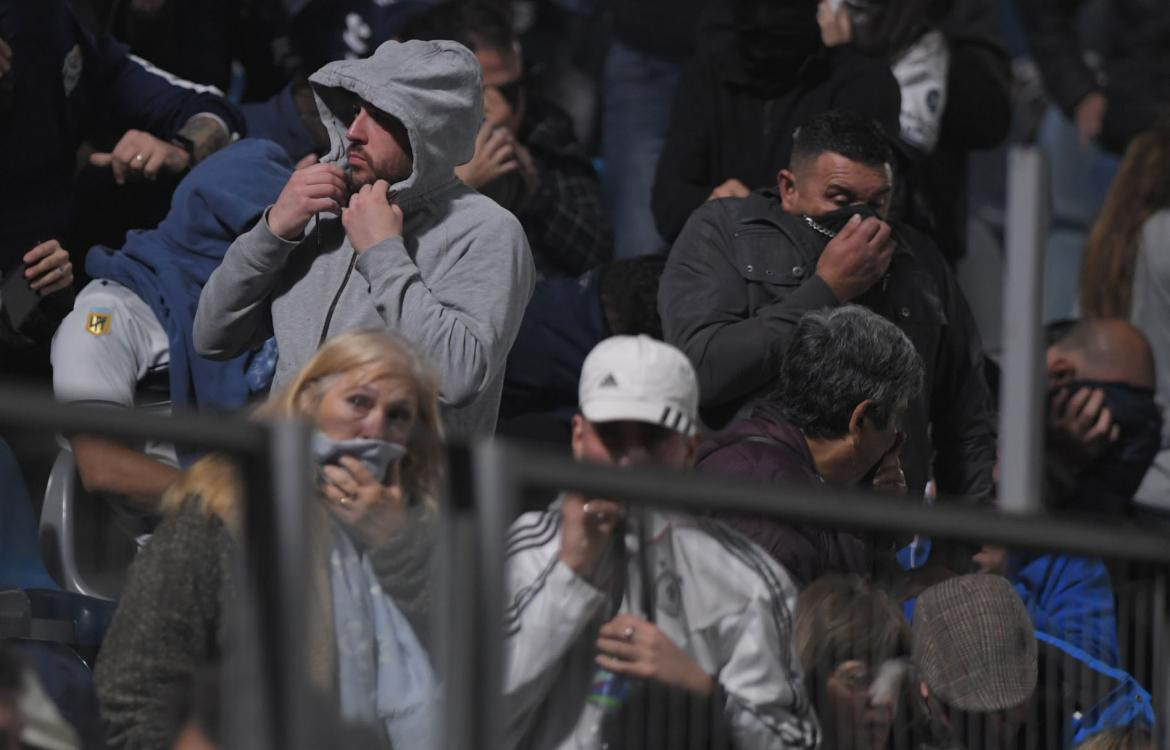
817 227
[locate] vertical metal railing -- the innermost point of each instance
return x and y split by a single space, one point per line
1021 428
267 704
265 701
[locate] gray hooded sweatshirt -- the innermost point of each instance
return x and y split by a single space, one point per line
456 282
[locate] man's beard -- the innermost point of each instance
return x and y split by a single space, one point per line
372 172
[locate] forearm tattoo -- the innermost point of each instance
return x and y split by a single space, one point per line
207 133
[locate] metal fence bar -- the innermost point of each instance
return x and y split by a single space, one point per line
29 409
265 701
286 537
1160 689
1021 426
499 500
481 502
819 505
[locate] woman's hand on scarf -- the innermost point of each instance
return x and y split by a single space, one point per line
370 511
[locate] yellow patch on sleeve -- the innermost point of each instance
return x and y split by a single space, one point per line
98 322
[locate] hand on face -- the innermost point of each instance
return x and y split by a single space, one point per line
495 156
587 528
311 189
1080 425
889 477
371 511
856 258
47 268
631 646
141 156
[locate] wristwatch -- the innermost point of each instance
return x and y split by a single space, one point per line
186 144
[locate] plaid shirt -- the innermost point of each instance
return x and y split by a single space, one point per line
565 219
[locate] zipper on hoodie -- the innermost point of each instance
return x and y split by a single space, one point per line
340 289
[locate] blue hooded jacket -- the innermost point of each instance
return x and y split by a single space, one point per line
167 267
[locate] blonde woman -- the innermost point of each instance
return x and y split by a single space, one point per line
377 445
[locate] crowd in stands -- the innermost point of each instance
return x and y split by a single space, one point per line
722 237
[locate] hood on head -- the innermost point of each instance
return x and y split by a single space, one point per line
434 88
224 195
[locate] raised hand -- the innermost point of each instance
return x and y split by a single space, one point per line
370 511
856 258
371 216
311 189
495 156
587 528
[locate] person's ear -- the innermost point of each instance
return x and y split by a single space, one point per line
692 450
857 420
578 439
789 195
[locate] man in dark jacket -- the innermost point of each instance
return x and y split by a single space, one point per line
1125 94
736 106
834 417
744 271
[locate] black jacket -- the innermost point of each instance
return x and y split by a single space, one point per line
722 126
1135 71
978 115
742 274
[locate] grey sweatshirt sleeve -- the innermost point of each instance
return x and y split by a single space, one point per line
465 319
234 315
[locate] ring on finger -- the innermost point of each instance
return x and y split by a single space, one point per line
139 157
628 634
346 500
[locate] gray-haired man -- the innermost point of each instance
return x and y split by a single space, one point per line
834 416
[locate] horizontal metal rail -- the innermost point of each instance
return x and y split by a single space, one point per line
525 468
27 408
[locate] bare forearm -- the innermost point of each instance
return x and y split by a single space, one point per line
108 466
207 133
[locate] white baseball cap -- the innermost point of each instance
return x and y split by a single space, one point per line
641 379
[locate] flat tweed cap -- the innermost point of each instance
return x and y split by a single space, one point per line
974 645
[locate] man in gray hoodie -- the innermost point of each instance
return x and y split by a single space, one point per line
382 234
